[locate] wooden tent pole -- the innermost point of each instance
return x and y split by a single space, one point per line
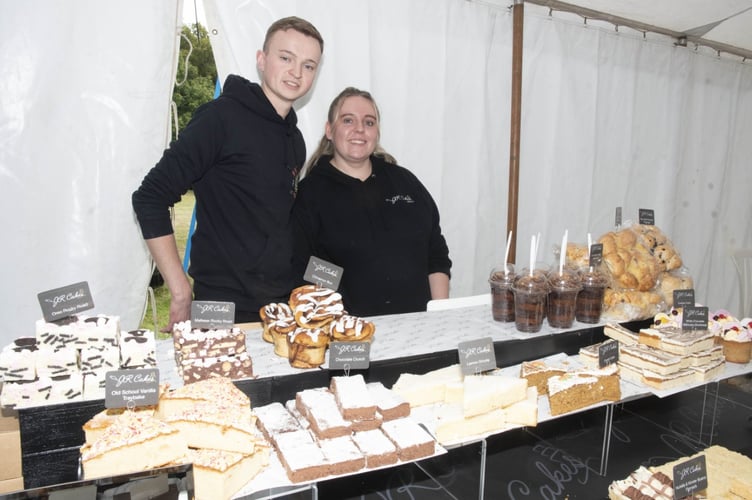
518 16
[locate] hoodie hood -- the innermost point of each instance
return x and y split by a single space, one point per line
251 95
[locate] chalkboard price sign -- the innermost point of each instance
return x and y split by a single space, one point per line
349 355
131 388
323 273
596 254
690 477
65 301
477 356
684 298
647 216
608 353
695 318
212 314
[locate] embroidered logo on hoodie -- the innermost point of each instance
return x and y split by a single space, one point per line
400 198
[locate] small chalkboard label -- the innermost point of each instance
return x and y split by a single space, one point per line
65 301
211 314
349 355
131 388
323 273
608 353
684 298
596 254
617 217
695 318
647 216
477 356
690 477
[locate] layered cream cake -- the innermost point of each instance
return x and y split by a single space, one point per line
668 381
625 336
676 340
656 360
642 483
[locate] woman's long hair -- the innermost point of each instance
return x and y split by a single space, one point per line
326 147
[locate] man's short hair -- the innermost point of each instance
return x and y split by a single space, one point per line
297 24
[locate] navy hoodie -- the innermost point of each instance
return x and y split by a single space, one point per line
241 159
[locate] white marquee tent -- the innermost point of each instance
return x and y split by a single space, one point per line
655 116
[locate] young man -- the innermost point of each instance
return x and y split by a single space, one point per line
240 154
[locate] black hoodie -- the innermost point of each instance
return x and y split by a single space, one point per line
383 231
240 158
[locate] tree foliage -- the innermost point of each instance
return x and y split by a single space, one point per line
197 85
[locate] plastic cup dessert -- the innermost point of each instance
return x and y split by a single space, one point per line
530 293
590 299
502 296
562 297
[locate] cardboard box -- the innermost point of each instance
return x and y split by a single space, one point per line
10 446
9 485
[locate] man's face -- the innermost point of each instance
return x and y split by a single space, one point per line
288 67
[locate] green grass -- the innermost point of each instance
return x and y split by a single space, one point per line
181 223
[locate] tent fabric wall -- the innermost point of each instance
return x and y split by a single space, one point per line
609 118
85 88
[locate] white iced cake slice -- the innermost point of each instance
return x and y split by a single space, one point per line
524 412
134 442
56 362
428 388
453 426
138 349
483 393
18 361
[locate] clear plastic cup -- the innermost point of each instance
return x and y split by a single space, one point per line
529 302
502 296
590 299
562 297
